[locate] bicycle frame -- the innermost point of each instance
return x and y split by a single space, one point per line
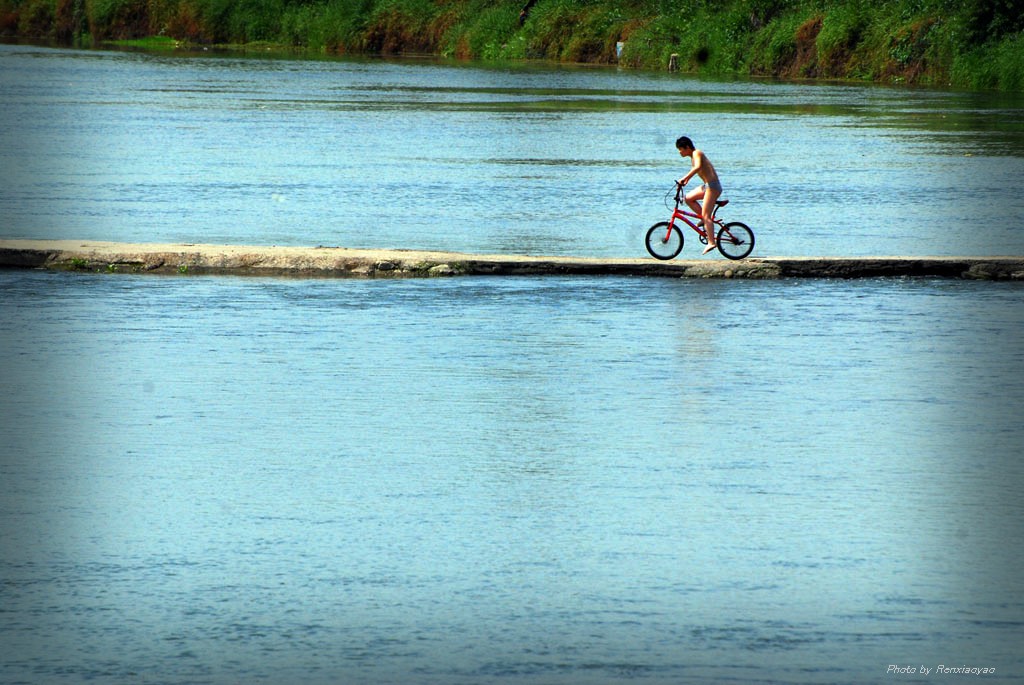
685 215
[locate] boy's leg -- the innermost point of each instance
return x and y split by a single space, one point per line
692 197
710 197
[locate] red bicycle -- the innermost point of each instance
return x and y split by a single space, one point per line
665 240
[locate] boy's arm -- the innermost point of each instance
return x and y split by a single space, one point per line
698 161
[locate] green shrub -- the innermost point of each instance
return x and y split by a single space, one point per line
993 19
965 42
335 26
841 32
254 20
1010 57
299 27
35 18
774 47
117 19
550 28
487 36
400 26
993 66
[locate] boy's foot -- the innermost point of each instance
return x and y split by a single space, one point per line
709 248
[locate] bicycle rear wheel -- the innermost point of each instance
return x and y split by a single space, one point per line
664 241
735 240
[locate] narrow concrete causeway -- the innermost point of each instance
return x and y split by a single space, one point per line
92 256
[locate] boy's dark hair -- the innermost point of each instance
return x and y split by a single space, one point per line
683 141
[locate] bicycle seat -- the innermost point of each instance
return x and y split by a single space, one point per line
721 203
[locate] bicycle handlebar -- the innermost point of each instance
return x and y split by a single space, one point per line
679 191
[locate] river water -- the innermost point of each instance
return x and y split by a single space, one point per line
496 480
521 480
540 160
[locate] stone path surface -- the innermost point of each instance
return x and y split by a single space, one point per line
183 258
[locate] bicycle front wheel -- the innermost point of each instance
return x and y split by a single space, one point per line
735 240
664 241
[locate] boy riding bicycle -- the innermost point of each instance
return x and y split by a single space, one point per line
709 192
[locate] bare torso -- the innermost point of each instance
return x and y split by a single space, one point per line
704 168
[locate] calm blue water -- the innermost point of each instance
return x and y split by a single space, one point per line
536 159
518 480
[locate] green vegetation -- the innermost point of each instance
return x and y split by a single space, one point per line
149 43
967 43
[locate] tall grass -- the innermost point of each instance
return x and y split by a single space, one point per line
970 43
998 65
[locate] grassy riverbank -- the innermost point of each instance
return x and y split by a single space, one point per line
965 43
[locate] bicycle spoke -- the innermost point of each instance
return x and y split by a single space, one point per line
664 241
735 240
